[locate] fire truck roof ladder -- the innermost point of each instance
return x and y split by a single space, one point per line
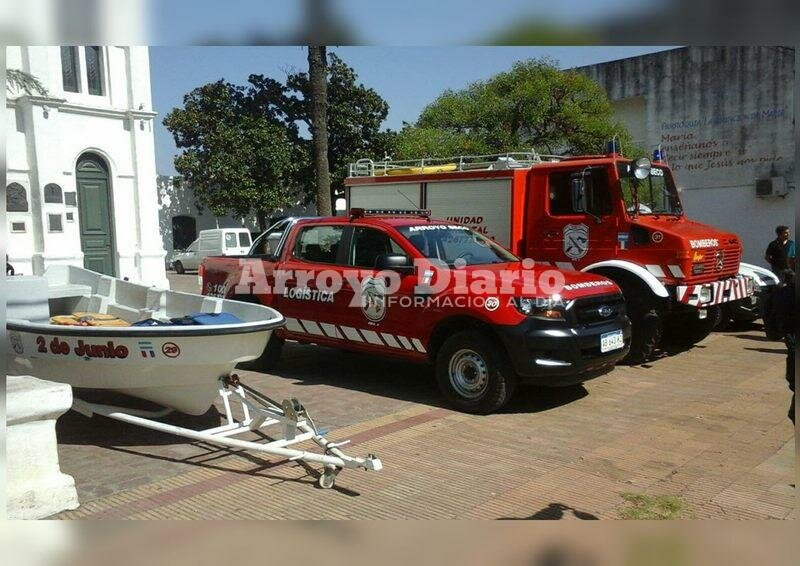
511 160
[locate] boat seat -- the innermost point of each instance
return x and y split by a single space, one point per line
69 290
27 298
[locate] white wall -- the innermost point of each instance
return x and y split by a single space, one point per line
47 135
725 117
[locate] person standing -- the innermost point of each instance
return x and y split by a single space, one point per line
781 317
780 252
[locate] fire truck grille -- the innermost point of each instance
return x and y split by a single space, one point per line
598 310
721 262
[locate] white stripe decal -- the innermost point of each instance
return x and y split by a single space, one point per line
372 337
389 339
312 327
406 344
330 330
352 334
293 326
676 270
418 345
655 270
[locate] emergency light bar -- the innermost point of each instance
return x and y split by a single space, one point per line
362 212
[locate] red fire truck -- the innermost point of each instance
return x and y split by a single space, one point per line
459 301
602 214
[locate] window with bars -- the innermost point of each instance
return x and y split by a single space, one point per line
69 68
94 69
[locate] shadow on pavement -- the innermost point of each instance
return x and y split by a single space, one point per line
555 511
397 379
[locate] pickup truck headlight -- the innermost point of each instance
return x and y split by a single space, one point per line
539 308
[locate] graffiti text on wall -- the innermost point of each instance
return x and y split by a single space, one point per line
715 142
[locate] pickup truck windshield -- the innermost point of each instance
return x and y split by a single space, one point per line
449 243
657 193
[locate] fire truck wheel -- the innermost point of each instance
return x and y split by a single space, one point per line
473 372
646 328
686 329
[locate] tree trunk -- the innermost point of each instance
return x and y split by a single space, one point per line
318 87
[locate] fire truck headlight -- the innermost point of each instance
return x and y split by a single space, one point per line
641 168
539 308
705 294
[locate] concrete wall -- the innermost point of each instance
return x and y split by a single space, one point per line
47 135
724 116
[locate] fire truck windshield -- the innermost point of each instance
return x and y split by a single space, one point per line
656 194
453 243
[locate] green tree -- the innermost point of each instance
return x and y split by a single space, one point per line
535 105
240 150
354 117
19 81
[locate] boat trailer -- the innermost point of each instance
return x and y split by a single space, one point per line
259 412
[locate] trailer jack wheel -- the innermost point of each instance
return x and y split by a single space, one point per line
327 478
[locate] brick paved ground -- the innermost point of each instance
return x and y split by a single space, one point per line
707 425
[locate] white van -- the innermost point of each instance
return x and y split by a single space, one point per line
217 241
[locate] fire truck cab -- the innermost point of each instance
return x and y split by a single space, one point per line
603 214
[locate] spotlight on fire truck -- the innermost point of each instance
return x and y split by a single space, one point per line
641 168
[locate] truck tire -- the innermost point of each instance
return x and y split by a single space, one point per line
473 372
685 329
646 325
179 268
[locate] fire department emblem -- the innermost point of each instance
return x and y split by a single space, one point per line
576 240
373 299
16 342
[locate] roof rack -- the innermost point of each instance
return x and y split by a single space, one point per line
494 161
362 212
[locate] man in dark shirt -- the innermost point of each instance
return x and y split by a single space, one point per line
781 316
781 251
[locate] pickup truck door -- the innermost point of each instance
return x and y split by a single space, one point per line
309 296
387 322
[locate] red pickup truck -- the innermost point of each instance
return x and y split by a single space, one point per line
401 284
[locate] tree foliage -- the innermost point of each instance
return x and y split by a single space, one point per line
19 81
355 114
240 151
244 149
533 105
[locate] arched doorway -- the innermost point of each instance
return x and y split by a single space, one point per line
94 213
184 231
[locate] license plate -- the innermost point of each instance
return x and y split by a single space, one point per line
611 341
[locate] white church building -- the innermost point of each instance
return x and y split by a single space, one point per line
81 174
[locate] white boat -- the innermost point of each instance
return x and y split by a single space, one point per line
183 368
175 366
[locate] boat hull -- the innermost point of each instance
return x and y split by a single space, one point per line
171 368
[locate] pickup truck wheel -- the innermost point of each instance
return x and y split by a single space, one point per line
646 328
473 372
179 268
686 329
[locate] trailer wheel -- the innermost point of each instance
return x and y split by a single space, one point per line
646 326
179 268
473 372
686 329
327 479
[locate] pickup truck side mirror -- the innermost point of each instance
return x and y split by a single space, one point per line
394 262
578 187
